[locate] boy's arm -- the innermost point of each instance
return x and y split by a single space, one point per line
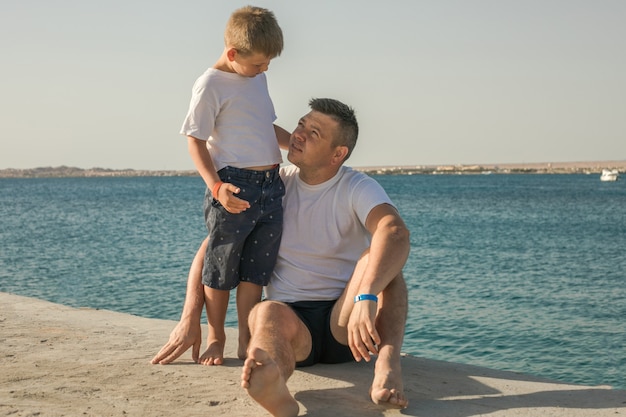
282 136
202 160
204 164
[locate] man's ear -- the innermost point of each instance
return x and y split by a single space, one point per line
340 154
231 53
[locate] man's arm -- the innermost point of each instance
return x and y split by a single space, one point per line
187 332
389 249
387 255
282 136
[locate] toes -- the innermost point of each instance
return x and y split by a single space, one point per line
391 397
396 398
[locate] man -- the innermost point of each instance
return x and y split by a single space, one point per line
337 292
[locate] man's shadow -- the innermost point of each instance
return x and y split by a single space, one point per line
441 389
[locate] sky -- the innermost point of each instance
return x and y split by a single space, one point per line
88 83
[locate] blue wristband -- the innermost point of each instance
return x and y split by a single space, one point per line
362 297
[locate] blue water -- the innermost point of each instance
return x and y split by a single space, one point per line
514 272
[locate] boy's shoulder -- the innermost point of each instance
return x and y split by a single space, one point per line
214 74
215 79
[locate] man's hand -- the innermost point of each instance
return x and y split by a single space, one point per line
184 335
363 338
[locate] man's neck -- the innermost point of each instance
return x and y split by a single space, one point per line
319 176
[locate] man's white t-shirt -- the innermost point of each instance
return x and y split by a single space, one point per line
235 115
324 234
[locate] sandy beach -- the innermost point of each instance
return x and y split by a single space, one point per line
61 361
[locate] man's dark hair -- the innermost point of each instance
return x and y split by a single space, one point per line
344 115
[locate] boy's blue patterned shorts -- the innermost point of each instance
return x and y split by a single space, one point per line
244 246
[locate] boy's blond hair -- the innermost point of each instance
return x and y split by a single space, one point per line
254 30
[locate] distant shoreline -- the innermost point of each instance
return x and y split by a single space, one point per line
593 167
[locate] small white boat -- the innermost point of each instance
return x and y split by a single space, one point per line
609 175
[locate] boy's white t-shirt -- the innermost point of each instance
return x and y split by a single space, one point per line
324 234
235 115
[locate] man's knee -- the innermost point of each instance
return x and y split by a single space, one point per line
267 314
399 280
397 290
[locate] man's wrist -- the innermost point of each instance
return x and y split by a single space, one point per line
364 297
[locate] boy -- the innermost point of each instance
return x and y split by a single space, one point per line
234 145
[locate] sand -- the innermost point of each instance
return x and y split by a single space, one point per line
61 361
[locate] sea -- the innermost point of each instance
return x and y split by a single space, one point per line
518 272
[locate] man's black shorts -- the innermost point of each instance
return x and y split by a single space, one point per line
325 348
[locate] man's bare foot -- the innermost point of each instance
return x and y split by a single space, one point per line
387 387
214 353
262 379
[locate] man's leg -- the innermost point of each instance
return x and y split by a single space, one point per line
387 386
278 340
187 332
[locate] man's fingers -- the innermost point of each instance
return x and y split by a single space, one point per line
361 345
170 357
375 338
172 350
163 353
353 347
195 352
367 342
173 354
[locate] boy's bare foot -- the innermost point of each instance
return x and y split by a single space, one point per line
387 387
214 353
242 349
262 379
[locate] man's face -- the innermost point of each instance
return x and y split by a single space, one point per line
311 143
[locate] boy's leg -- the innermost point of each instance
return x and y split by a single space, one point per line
248 295
278 340
216 306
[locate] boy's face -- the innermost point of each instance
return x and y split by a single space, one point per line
250 65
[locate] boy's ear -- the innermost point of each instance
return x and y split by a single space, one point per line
231 53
